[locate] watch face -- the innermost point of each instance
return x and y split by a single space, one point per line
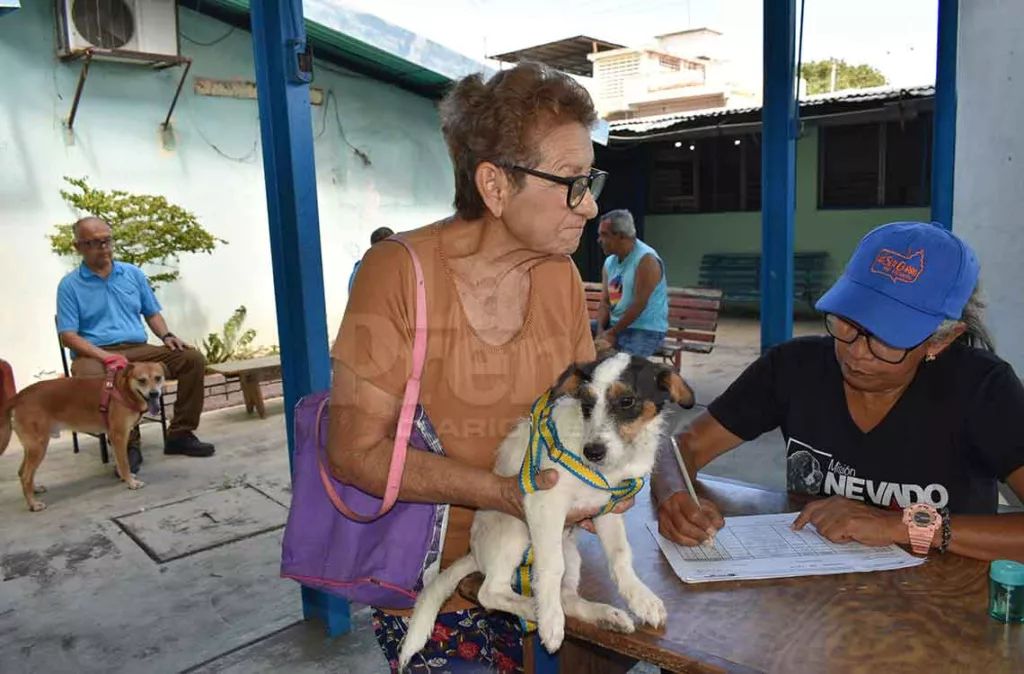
922 518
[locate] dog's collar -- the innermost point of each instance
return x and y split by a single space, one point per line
110 391
544 438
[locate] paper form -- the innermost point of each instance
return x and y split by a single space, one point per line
765 546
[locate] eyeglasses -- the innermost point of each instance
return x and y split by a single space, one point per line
578 185
848 333
97 243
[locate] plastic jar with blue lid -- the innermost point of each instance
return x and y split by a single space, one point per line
1006 591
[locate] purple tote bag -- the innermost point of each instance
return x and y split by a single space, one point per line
381 559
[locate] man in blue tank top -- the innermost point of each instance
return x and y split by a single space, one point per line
634 307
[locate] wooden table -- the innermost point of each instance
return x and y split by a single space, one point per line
931 618
249 374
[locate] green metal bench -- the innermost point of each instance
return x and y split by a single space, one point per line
738 275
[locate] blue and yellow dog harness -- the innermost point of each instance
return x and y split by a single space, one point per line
544 438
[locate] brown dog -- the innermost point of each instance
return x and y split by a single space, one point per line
44 408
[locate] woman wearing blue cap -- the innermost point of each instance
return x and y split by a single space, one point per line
903 418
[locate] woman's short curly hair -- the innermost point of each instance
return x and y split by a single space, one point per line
500 121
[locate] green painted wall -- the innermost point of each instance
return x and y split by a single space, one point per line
682 240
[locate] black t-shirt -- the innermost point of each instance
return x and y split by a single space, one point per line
955 431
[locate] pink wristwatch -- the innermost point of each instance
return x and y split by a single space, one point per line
922 522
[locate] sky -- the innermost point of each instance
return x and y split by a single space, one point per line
896 36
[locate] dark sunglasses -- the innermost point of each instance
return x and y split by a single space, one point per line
578 185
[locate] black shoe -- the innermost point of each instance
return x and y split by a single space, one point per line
187 444
134 452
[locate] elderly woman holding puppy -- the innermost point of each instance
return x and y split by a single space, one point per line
506 315
902 418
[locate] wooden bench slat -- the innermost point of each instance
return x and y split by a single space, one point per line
688 335
683 313
236 367
703 293
690 324
675 313
711 306
669 350
677 300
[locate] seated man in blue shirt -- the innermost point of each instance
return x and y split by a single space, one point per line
633 316
98 316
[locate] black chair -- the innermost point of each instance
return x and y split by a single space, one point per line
102 437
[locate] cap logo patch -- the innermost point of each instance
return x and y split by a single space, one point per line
898 267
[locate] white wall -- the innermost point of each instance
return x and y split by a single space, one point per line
988 208
215 170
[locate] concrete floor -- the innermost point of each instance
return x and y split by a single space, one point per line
182 576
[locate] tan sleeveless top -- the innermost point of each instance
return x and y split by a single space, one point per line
472 391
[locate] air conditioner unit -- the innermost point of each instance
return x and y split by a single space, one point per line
140 26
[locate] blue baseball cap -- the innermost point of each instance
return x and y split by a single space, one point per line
903 280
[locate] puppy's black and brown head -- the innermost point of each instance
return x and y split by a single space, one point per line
622 399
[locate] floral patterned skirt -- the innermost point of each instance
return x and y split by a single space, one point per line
467 641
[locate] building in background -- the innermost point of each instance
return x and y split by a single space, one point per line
679 72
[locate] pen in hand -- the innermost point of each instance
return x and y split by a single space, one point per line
710 542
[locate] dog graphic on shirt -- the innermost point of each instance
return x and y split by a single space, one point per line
803 473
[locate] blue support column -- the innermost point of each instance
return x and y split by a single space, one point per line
279 37
778 171
944 124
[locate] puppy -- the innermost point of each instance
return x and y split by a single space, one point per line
44 408
609 413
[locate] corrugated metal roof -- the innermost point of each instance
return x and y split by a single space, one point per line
568 55
364 43
644 125
870 94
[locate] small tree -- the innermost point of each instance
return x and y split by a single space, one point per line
818 75
146 228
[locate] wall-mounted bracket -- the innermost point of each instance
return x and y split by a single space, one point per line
158 61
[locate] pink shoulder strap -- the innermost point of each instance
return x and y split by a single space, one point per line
409 400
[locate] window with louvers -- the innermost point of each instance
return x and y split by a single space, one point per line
612 73
875 165
673 186
718 175
849 162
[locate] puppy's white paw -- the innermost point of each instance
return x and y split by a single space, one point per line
134 483
551 627
37 506
611 618
39 489
409 650
646 605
